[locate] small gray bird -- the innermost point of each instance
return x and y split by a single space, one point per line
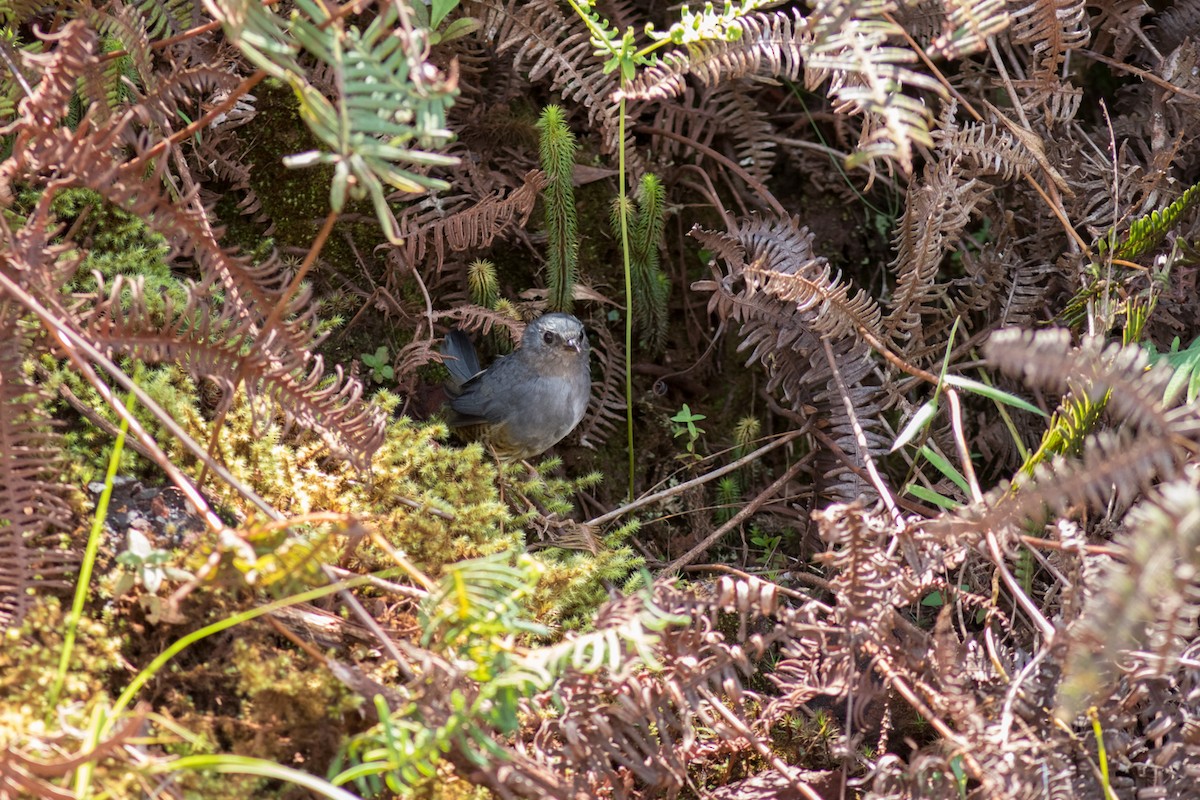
527 401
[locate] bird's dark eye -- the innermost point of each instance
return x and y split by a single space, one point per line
548 337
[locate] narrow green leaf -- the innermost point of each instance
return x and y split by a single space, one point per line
438 11
992 393
921 493
914 426
945 467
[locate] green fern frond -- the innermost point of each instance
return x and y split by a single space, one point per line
1145 233
481 598
14 13
391 106
167 17
557 150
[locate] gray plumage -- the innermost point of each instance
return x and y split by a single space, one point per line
527 401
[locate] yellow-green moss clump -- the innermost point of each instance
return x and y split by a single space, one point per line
29 662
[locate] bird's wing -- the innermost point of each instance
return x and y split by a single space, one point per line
460 359
486 397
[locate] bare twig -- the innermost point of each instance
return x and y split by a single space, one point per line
749 510
700 481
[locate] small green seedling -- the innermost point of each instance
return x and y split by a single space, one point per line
685 425
381 370
145 565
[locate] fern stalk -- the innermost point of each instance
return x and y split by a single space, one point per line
625 260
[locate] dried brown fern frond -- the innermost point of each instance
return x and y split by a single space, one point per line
814 288
1050 29
954 28
97 156
606 408
1049 360
764 45
851 45
937 213
1174 24
33 503
710 116
547 45
218 342
1148 600
1115 468
641 729
472 225
1112 473
786 335
865 577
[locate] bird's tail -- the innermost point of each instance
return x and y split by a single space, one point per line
459 358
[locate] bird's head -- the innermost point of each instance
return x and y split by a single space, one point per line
557 334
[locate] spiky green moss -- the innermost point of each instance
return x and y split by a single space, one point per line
562 245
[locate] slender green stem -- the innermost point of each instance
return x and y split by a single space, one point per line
624 59
1101 753
650 48
628 294
149 672
246 765
89 561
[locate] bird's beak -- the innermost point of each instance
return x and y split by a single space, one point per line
574 345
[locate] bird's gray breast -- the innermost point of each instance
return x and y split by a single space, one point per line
552 406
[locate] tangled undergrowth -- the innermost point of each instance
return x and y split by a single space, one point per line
888 487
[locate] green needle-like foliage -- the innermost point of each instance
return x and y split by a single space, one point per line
645 217
481 280
557 148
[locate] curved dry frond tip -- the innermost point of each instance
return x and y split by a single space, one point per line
776 332
985 149
60 69
1175 24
